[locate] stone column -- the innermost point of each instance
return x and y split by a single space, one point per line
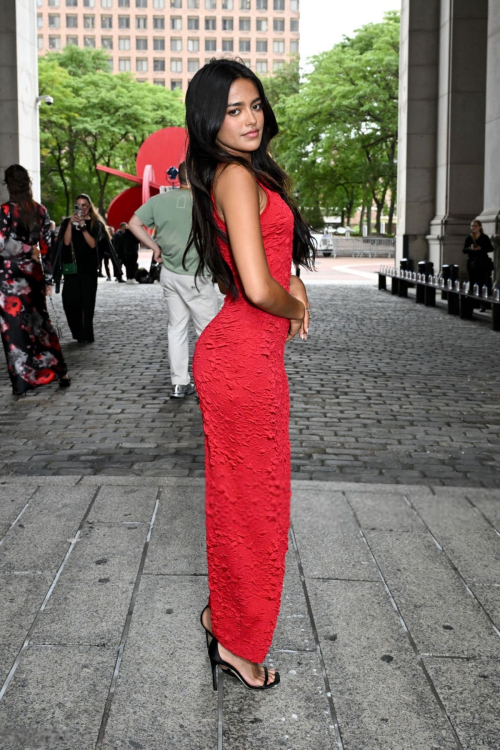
461 124
490 216
419 59
19 133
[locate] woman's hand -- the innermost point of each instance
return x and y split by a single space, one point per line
301 327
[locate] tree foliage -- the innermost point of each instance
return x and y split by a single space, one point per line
96 118
338 128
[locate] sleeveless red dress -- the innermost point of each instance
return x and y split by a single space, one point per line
240 377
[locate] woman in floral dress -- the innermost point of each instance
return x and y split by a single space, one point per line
31 344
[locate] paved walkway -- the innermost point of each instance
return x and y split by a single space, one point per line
386 638
389 632
384 391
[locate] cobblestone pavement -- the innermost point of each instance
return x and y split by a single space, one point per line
384 391
387 639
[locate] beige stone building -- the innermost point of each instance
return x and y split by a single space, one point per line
166 41
449 127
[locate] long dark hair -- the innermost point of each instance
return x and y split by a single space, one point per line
18 184
206 106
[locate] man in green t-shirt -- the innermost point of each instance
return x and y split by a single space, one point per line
170 214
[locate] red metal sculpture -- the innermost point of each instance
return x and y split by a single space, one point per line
164 149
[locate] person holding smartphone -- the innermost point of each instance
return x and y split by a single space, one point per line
78 261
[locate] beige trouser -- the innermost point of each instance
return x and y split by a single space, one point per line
183 300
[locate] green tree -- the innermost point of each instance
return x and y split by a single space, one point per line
96 118
339 130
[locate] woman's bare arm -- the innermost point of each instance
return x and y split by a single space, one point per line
237 198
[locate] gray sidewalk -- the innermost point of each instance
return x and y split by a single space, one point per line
386 637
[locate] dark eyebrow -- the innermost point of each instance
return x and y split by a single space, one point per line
238 104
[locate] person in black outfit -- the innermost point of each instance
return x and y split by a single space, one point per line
130 253
117 240
82 237
479 264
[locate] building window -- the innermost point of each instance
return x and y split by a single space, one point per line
141 43
244 45
175 85
245 4
193 45
89 22
279 24
158 22
261 66
244 24
106 3
124 42
193 66
141 22
278 65
159 82
294 25
107 42
106 22
227 4
248 63
227 24
176 45
175 66
193 24
193 4
141 3
71 22
210 24
227 45
176 3
294 5
124 22
124 3
159 44
54 42
110 64
89 41
278 47
159 65
124 64
72 41
54 21
262 24
159 5
261 4
71 3
52 3
176 23
39 41
278 4
210 4
210 45
141 65
261 45
294 47
39 21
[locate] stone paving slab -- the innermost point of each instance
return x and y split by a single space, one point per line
469 691
382 696
341 645
12 501
364 408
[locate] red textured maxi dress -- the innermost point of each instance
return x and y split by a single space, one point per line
240 377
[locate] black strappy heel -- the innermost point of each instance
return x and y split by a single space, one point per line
207 631
217 661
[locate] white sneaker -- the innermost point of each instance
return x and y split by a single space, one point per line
179 391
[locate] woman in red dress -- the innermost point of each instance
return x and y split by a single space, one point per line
32 347
247 231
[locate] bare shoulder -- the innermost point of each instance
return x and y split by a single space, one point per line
234 179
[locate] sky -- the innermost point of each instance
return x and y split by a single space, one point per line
323 23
